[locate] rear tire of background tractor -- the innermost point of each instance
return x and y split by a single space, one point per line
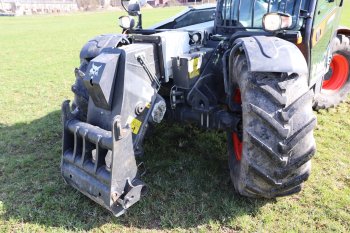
273 159
336 85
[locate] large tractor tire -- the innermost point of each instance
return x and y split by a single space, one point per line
271 155
336 83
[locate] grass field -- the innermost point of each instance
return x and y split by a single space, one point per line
190 188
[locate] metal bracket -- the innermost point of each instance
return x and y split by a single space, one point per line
176 97
132 194
136 190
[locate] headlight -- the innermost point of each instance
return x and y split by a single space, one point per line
126 22
276 21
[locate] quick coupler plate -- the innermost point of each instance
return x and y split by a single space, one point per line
100 163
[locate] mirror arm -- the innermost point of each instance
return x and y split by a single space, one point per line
139 21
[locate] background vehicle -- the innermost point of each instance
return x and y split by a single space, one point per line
254 69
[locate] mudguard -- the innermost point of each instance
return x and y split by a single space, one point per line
343 30
272 54
94 46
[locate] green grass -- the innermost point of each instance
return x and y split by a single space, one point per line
190 188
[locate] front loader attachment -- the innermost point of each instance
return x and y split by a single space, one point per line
99 154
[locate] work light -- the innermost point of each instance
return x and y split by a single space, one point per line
276 21
126 22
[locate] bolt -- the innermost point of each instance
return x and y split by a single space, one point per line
139 108
115 196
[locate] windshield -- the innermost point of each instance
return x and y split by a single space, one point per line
249 13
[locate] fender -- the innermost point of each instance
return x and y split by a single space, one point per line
272 54
94 46
343 30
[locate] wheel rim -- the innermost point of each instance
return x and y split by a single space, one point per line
237 146
339 69
237 143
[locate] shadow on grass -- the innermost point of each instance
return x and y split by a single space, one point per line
186 171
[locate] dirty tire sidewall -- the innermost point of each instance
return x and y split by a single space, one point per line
278 140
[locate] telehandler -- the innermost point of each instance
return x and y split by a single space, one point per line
254 69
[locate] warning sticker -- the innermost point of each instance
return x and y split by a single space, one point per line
135 124
193 67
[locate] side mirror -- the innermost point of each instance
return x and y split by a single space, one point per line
133 9
126 22
134 6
